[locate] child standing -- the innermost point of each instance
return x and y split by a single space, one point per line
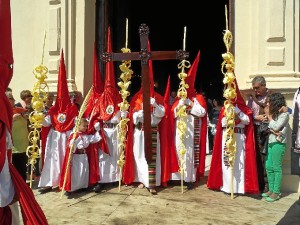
76 176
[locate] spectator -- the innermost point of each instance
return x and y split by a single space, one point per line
173 96
278 121
19 137
213 119
257 102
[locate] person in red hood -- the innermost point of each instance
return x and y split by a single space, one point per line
245 178
195 138
12 187
108 111
137 169
61 119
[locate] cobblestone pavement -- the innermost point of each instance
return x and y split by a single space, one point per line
132 205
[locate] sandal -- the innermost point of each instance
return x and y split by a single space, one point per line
152 191
272 198
266 194
141 186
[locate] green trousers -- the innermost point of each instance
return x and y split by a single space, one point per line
274 158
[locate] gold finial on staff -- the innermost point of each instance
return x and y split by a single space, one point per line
227 69
181 111
43 48
126 42
124 106
184 38
226 17
36 117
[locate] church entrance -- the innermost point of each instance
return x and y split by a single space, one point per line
166 20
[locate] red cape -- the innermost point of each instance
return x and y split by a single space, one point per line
70 111
215 180
92 149
30 209
202 153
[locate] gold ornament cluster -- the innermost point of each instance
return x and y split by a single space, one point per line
39 95
124 106
182 114
230 95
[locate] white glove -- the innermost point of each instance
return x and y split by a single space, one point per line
140 114
188 102
181 102
236 110
97 126
152 101
123 114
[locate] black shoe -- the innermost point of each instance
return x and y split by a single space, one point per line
67 193
98 188
190 185
45 190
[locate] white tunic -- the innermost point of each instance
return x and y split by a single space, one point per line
55 151
108 167
7 190
296 100
239 164
141 165
80 163
189 170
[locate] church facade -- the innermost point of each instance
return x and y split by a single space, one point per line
266 42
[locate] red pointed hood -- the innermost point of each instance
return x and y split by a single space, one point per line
191 76
98 86
138 97
97 81
167 92
239 99
151 77
63 112
6 54
110 97
6 73
63 98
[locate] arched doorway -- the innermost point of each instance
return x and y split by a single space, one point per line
166 21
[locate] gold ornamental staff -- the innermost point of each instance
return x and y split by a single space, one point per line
75 131
181 111
39 95
124 106
230 95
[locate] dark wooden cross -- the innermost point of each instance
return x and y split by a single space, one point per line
144 55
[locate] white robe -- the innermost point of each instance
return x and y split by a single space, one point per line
80 163
141 165
239 164
189 170
55 151
7 190
108 167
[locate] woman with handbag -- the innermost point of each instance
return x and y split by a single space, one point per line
278 121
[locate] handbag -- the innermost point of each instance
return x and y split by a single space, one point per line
263 131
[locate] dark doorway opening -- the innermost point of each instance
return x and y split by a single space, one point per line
166 21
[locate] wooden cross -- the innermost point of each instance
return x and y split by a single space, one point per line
144 55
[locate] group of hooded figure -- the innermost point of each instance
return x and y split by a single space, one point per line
103 114
102 154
